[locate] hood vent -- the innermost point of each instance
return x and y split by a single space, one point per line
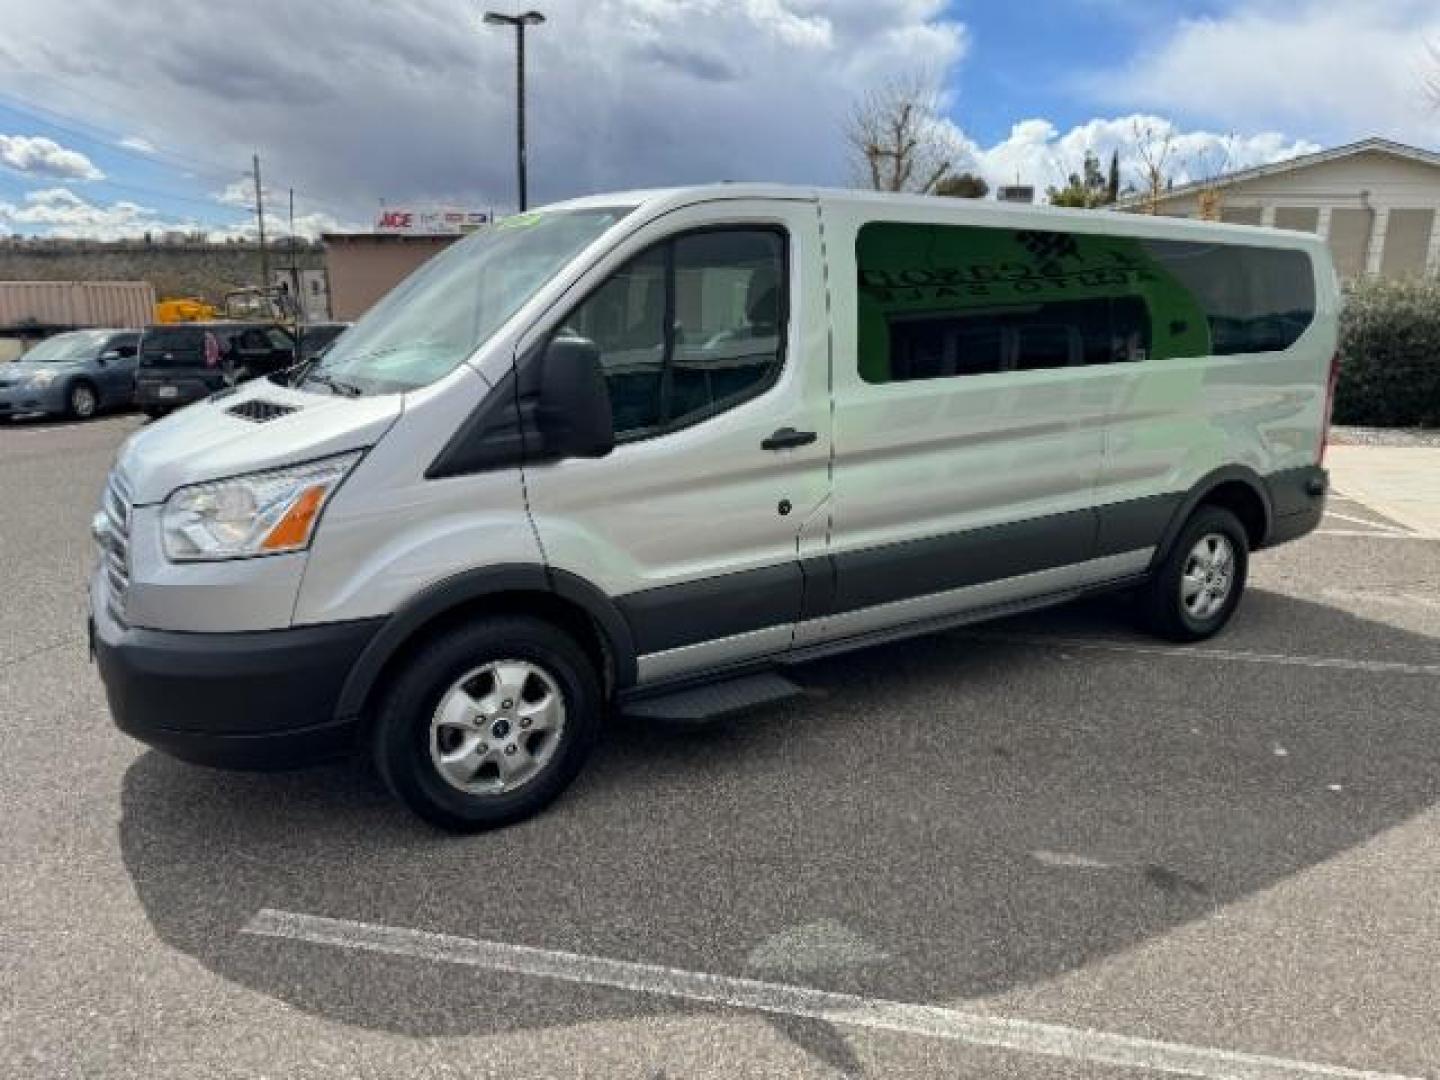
260 411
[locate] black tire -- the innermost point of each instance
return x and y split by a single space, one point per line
82 400
155 412
1162 608
401 739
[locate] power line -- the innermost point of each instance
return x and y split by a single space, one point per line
112 140
208 203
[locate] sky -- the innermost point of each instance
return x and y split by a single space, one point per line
118 119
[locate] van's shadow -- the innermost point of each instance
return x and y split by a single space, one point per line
936 799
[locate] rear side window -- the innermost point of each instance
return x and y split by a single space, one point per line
938 301
688 328
188 346
123 345
1254 299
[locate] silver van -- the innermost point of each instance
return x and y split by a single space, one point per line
643 452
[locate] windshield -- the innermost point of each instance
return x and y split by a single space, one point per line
63 348
440 314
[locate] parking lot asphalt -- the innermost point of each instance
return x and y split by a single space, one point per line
1048 847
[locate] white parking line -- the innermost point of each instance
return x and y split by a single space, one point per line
1397 530
1371 535
1023 1036
1196 652
1371 596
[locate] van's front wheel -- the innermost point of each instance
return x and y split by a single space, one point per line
1196 588
488 723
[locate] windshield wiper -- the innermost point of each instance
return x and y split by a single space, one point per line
335 386
296 372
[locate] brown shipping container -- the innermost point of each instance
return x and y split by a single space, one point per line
69 305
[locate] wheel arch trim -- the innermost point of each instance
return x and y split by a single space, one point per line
447 595
1201 490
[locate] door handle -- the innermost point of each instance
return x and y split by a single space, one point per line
787 438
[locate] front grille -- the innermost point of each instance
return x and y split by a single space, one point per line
115 546
260 410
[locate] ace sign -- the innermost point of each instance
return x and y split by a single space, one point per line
428 221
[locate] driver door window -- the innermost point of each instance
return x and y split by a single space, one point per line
689 328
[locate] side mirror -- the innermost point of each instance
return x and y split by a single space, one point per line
106 356
573 413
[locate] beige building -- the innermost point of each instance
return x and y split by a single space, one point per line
363 267
1376 202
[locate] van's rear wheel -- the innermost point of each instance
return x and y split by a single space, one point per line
1198 585
488 723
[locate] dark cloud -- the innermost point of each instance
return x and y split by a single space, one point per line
352 101
703 66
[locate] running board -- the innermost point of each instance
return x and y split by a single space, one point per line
711 701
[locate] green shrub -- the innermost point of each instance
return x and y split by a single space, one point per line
1390 354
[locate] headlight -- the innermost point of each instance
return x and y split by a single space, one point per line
261 514
41 379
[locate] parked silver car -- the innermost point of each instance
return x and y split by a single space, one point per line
75 374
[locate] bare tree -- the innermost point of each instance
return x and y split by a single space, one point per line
1155 149
898 139
1206 169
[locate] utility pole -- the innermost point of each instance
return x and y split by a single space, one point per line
260 224
295 296
529 18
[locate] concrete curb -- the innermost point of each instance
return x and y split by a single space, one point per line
1402 483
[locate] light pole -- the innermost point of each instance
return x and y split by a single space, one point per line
529 18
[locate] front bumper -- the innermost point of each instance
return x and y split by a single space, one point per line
255 700
20 400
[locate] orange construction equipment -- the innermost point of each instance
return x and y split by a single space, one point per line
185 309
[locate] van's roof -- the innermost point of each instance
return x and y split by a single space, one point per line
659 199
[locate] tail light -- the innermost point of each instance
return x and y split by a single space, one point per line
1329 406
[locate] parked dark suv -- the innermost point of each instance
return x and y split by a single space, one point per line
184 362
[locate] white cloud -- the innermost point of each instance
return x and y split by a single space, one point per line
277 227
309 223
1341 71
138 144
1037 153
240 193
60 212
36 155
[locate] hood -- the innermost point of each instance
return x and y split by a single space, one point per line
209 441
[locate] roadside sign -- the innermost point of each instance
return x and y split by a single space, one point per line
429 221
